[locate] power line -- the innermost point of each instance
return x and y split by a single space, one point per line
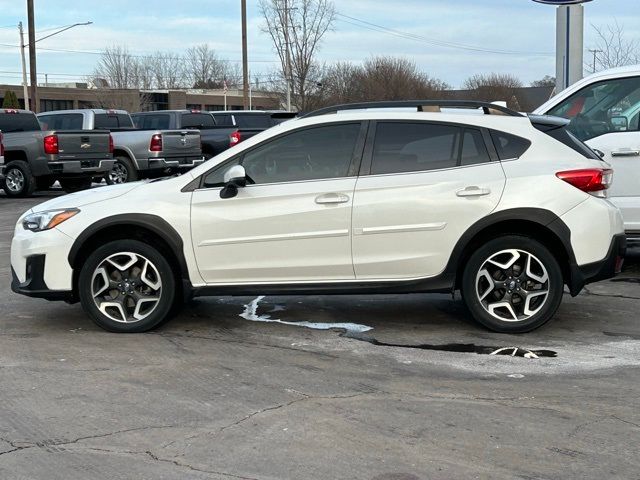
410 36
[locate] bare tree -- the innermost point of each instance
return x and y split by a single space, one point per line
299 25
118 67
494 87
204 69
167 70
546 81
612 49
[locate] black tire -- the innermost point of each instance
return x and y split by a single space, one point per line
44 183
18 181
512 285
123 171
71 185
161 271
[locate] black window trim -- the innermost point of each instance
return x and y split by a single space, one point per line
365 170
495 148
352 172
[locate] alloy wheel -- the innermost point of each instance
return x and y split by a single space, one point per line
119 173
14 180
126 287
512 285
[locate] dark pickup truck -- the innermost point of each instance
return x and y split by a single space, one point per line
218 130
35 159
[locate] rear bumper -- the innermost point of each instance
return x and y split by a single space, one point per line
80 167
171 162
633 238
608 267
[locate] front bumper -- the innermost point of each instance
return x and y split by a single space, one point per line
173 162
34 284
608 267
80 167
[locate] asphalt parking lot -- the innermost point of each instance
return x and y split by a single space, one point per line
234 388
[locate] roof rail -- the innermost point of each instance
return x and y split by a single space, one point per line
431 106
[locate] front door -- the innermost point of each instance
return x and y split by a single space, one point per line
427 184
292 222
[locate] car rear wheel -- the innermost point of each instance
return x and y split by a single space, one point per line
127 286
123 171
512 284
18 181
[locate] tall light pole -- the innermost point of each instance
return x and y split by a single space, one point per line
35 101
245 61
287 53
25 85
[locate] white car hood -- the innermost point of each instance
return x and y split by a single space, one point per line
86 197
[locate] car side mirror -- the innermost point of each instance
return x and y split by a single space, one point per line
619 123
234 178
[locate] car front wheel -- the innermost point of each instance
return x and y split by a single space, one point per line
512 284
127 286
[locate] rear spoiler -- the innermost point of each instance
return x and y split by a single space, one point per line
546 123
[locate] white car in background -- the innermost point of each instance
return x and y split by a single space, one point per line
604 110
506 208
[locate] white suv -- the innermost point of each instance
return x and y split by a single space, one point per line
507 208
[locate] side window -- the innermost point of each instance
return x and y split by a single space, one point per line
414 147
48 122
592 109
474 150
216 177
509 146
311 154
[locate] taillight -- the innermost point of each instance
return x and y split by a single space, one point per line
156 143
591 180
110 143
51 145
234 138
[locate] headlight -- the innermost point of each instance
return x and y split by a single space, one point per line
39 221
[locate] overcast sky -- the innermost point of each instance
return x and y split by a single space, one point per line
145 26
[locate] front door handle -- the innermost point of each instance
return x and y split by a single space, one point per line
329 198
626 153
473 191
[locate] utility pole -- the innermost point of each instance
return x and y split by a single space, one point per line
25 86
245 61
35 103
287 53
595 53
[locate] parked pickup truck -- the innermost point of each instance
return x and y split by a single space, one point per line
219 130
604 110
138 153
36 158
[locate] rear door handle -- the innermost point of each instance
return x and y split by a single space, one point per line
626 153
329 198
473 191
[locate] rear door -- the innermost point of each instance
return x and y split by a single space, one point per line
422 186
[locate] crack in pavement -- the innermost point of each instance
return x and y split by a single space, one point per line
609 295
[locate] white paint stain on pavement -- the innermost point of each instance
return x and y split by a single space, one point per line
251 313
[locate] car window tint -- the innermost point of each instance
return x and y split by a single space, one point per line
216 177
224 120
414 147
509 146
196 120
105 121
474 150
253 120
153 122
19 122
310 154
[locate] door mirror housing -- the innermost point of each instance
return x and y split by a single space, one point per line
234 178
619 123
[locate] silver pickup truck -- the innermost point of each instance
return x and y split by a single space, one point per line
36 158
137 153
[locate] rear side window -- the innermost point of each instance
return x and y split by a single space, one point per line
509 146
253 120
197 120
414 147
18 122
65 121
474 150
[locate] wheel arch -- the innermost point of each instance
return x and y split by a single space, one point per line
122 151
150 229
540 224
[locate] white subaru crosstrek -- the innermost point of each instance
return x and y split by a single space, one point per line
356 199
